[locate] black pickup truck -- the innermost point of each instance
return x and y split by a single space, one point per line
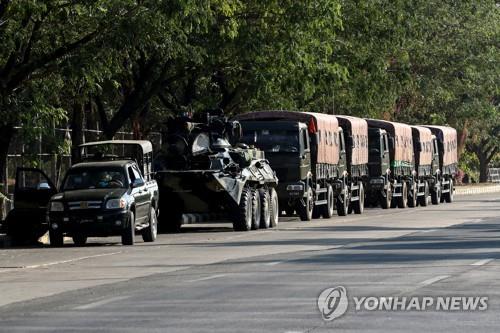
111 193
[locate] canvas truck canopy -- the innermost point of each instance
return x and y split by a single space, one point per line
323 125
357 129
447 137
402 154
422 141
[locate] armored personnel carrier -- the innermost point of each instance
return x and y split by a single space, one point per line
204 173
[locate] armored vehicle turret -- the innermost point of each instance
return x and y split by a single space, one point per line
204 173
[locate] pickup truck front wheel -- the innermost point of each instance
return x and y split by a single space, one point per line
128 234
149 234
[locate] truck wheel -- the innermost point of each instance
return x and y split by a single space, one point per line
274 207
449 196
151 231
79 240
436 195
327 210
386 202
424 200
128 234
306 211
56 238
256 209
412 195
242 219
343 202
359 206
265 208
403 199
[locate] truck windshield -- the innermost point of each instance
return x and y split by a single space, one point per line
272 140
94 178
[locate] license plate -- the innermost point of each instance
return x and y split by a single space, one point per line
84 205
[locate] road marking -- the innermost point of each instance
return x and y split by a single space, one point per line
101 302
272 263
429 230
434 280
211 277
70 260
482 262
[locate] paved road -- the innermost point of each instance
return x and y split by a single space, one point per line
211 279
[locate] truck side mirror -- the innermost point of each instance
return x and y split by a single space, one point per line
137 183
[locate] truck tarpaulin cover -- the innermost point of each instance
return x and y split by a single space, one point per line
326 126
423 136
357 128
448 137
403 141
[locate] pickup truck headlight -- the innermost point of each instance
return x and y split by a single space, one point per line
116 204
56 206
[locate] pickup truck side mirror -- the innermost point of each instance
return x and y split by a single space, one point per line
137 183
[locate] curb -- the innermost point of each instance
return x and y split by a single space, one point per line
468 190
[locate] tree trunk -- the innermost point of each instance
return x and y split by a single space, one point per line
483 168
5 140
77 135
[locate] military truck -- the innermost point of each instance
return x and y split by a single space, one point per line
442 189
204 173
426 163
307 150
391 163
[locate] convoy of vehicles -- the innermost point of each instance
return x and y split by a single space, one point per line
248 171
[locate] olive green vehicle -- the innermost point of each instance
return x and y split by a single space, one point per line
204 174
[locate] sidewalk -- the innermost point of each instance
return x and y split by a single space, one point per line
477 189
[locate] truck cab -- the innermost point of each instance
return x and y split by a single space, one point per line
378 156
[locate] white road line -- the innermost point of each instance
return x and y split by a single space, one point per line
482 262
101 302
273 263
434 280
429 230
208 278
70 260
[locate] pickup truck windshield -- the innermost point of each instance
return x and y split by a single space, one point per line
94 178
272 140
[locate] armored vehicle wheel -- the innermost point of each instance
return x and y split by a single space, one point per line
306 210
150 232
403 199
386 201
412 195
169 221
56 238
343 202
242 219
265 208
359 206
256 209
424 200
317 212
449 196
79 240
128 234
328 209
436 195
274 207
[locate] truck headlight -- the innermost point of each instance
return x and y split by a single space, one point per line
56 206
116 204
295 188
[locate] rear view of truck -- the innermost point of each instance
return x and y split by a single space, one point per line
426 163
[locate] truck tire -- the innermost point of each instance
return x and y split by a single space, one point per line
265 208
128 234
359 205
403 199
79 239
449 196
424 200
436 195
274 207
386 201
56 238
412 195
306 211
256 209
343 202
242 219
327 210
151 231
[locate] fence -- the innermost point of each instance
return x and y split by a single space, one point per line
494 175
47 153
